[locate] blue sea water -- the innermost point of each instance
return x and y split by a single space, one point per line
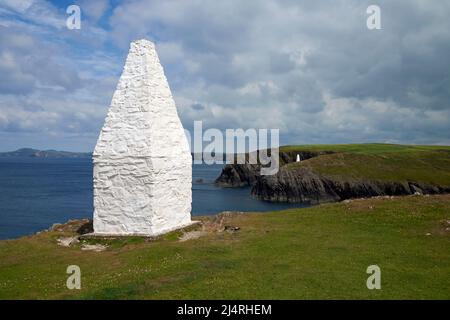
37 192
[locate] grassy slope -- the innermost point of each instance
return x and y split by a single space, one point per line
384 162
318 252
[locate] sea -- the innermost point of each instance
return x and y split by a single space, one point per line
35 193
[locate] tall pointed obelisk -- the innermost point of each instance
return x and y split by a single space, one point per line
142 162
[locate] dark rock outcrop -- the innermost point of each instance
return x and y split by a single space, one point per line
240 175
294 185
303 185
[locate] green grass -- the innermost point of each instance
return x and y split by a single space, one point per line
317 252
369 148
381 162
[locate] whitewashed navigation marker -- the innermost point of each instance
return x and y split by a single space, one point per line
298 158
142 161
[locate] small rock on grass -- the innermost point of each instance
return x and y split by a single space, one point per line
93 247
67 241
191 235
231 229
55 226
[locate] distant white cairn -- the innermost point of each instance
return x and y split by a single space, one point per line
142 161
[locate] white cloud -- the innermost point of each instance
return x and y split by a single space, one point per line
38 12
94 9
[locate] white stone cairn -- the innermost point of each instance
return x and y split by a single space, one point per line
142 161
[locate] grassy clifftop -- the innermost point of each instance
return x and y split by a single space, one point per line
337 172
318 252
364 148
381 162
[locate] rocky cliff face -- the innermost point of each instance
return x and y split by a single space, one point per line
301 184
240 175
294 185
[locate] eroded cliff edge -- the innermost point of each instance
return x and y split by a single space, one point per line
344 172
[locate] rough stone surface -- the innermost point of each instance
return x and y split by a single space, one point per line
239 175
302 184
142 162
93 247
67 241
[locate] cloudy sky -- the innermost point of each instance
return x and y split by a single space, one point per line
310 68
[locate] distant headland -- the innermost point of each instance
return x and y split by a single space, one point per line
35 153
